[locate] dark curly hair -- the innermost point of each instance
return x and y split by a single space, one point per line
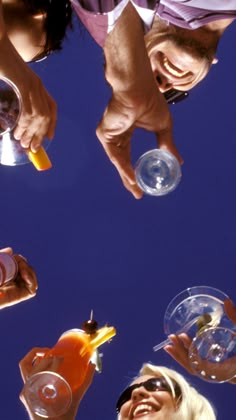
58 18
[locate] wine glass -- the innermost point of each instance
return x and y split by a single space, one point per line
157 172
199 312
11 151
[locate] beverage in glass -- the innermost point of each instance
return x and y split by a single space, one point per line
49 393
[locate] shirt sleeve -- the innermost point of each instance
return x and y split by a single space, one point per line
100 17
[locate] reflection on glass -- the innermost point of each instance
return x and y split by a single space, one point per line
49 393
11 152
157 172
199 312
8 268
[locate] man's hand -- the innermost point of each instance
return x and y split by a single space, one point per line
230 310
38 115
28 367
124 113
23 287
136 100
180 345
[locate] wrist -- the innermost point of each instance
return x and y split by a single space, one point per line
125 50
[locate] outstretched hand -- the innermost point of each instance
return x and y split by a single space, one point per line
23 287
28 367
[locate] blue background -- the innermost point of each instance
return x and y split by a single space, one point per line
94 246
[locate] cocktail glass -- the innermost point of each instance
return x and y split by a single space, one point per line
199 312
157 172
49 393
11 152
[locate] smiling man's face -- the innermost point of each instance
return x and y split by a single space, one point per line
148 405
179 58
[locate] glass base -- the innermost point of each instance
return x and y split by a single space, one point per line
212 354
11 152
157 172
48 394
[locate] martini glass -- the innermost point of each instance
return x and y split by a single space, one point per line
199 312
11 151
157 172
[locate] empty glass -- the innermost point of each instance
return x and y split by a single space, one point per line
157 172
11 152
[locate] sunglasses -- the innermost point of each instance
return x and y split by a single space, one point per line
173 96
151 385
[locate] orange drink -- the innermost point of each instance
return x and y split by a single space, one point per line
74 366
49 392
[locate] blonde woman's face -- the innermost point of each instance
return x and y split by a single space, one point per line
148 405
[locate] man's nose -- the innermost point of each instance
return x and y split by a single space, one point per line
163 83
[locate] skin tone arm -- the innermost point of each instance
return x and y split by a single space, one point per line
136 100
23 287
179 348
38 116
28 368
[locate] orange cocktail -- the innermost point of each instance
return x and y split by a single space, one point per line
73 366
49 392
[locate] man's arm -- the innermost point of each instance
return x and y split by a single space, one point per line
38 116
136 100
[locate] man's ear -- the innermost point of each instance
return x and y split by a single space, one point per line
215 60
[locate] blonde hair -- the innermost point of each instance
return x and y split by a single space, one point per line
193 405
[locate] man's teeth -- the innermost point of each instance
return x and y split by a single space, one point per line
142 409
170 69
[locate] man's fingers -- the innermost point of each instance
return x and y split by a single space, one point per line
178 352
120 157
230 310
27 274
33 127
166 142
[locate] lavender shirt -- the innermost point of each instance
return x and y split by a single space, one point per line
100 16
